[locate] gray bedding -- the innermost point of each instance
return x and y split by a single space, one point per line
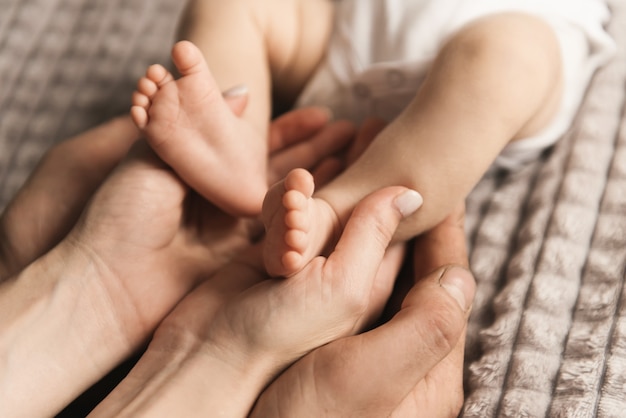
548 332
548 244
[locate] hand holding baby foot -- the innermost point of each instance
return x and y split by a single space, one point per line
145 185
189 125
298 225
229 337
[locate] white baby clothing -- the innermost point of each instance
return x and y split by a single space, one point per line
380 51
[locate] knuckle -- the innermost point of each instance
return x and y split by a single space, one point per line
441 340
442 330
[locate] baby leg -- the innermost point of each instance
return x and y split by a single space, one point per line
296 223
497 79
189 125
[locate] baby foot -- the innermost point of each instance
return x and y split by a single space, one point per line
163 106
190 126
298 226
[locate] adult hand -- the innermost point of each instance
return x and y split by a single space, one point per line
409 366
191 356
145 212
111 280
234 333
50 202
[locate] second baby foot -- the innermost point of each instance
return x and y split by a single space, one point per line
189 125
298 226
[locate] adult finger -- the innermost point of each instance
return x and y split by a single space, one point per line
327 170
366 236
441 248
46 208
366 134
297 125
300 138
309 150
440 393
286 130
445 244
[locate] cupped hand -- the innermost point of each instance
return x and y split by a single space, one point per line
410 366
153 239
234 333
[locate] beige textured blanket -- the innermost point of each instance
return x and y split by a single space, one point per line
548 333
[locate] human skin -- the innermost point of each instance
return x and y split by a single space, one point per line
233 334
91 296
75 374
186 120
469 83
226 340
85 160
371 374
337 379
45 209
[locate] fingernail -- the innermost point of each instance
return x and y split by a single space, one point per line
459 283
237 91
408 202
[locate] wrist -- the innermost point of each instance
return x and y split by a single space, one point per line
57 325
108 293
182 374
243 376
247 369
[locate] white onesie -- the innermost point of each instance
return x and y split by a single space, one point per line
380 51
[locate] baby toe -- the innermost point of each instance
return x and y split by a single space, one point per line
296 239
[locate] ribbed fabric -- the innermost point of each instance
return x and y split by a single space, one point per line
67 65
548 331
548 245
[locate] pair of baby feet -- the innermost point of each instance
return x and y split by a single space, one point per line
191 126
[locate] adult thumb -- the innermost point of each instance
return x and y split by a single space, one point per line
370 228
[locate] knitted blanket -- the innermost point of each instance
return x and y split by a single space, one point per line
547 336
67 65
